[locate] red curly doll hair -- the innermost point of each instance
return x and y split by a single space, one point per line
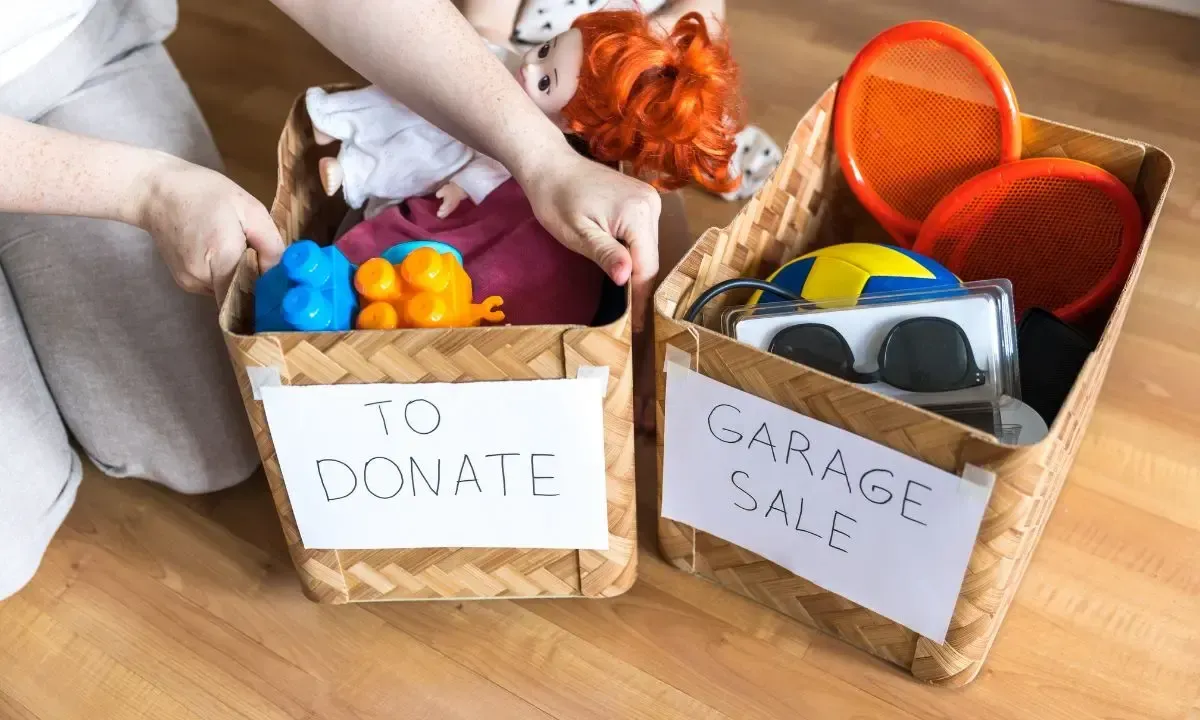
669 106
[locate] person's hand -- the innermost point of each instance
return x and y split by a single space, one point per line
593 209
202 222
451 195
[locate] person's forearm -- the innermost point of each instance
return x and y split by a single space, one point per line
426 54
50 172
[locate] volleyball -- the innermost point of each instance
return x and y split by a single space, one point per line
840 274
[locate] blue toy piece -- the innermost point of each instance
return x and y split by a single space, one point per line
396 253
841 274
310 290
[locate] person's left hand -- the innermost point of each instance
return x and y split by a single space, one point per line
591 209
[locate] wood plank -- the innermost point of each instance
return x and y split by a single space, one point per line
552 668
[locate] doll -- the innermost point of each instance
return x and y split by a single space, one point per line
757 154
667 106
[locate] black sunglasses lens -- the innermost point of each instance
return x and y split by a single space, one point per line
816 346
928 355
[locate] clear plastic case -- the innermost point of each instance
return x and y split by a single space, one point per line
980 313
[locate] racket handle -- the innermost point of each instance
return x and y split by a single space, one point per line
900 238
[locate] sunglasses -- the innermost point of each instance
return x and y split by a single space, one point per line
923 354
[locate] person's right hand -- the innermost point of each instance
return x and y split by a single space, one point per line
602 214
201 222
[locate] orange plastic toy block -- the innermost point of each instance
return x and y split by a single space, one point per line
427 289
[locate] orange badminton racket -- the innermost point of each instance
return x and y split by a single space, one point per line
1064 232
922 108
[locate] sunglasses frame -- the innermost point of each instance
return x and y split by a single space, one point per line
972 376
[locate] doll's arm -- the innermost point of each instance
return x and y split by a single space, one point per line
358 113
451 195
480 177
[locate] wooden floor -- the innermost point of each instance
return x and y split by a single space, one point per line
150 605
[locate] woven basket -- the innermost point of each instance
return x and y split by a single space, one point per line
301 210
807 205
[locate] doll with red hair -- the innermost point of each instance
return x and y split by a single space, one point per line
667 106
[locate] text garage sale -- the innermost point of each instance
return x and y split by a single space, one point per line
783 502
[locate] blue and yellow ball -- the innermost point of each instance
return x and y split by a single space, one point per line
840 274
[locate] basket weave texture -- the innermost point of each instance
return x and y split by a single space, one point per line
806 205
301 210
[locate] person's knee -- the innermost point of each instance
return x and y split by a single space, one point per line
31 512
189 473
23 558
204 461
141 375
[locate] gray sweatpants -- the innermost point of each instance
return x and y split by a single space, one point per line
96 340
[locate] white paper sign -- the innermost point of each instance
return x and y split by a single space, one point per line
516 464
856 518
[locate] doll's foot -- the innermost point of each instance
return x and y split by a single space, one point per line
322 138
331 175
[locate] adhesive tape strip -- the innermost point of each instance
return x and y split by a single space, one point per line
976 479
676 356
261 377
599 373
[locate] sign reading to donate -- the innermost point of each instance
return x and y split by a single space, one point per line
492 464
854 517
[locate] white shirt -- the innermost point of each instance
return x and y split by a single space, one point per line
31 29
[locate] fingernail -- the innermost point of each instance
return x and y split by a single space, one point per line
619 271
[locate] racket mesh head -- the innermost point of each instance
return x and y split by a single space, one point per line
927 121
1056 239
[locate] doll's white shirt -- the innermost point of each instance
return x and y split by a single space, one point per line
390 154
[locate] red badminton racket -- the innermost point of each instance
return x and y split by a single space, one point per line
1064 232
922 108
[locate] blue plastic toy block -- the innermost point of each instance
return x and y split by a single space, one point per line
310 290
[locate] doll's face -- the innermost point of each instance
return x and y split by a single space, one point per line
550 73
